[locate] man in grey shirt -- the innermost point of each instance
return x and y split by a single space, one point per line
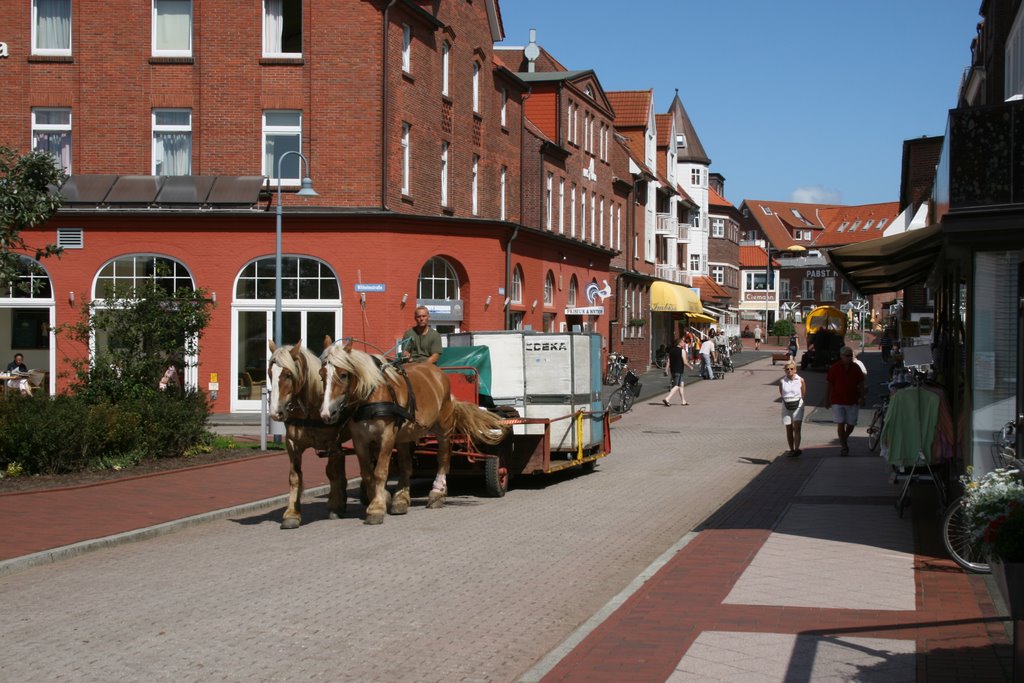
421 342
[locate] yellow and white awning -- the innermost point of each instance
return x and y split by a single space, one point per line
667 297
701 318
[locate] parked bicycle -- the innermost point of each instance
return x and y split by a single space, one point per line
615 369
621 400
956 533
735 344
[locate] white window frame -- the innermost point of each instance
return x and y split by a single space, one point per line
281 131
561 206
504 108
549 200
549 289
828 289
807 289
593 217
516 293
718 274
784 290
695 263
161 128
476 184
53 128
572 210
406 158
573 292
600 232
444 172
718 227
59 51
446 56
179 52
583 213
406 48
270 42
504 174
476 87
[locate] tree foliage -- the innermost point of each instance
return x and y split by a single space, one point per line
137 332
783 328
26 199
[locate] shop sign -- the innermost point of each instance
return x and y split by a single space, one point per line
759 296
443 310
3 50
585 310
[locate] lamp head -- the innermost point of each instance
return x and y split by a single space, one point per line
307 189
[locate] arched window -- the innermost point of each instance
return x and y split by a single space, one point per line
549 289
123 274
438 280
31 282
517 286
302 277
573 288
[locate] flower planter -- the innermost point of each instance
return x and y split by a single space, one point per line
1009 577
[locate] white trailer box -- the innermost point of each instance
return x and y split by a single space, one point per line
545 375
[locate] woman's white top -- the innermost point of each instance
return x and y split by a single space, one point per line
792 387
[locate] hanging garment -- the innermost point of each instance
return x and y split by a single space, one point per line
910 423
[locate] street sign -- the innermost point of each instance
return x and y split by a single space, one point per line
371 287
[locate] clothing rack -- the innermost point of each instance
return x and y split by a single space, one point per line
930 447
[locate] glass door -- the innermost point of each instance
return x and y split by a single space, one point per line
255 328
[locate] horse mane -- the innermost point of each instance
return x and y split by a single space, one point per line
310 377
370 371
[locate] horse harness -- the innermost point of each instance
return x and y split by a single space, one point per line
392 408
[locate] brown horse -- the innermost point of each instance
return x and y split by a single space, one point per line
388 407
295 394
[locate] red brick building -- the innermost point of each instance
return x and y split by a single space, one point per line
432 186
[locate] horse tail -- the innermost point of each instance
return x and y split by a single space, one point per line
479 425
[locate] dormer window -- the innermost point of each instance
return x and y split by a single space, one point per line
766 210
680 140
842 226
856 224
881 223
869 224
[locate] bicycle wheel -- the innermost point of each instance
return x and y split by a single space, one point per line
875 429
956 537
620 401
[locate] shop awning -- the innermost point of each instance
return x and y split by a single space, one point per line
889 264
701 318
673 298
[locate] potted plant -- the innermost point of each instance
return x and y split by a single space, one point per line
637 322
994 511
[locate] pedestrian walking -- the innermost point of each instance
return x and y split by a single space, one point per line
793 347
844 394
677 364
793 391
757 337
707 357
886 345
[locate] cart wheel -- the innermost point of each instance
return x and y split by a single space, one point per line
495 477
589 466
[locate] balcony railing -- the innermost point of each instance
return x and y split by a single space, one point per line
982 158
667 225
666 272
684 232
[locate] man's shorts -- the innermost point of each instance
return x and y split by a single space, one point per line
844 415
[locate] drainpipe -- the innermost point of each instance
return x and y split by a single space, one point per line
508 275
384 109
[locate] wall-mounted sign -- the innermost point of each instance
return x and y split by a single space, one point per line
3 50
759 296
585 310
443 310
371 287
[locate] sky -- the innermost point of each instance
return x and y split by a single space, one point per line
793 100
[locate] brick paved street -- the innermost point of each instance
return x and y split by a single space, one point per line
553 581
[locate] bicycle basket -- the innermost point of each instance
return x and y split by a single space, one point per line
632 382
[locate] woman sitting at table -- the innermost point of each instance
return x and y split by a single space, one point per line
18 366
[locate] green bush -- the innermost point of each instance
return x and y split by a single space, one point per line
783 328
70 433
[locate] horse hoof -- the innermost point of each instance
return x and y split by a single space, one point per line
291 523
376 518
435 500
400 508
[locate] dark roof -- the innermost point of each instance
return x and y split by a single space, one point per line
81 191
692 150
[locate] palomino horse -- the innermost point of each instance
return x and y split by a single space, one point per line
388 406
295 394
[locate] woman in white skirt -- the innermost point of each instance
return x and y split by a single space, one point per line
793 390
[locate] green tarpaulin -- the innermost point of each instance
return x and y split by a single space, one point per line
476 357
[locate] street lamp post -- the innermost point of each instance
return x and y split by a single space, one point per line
305 191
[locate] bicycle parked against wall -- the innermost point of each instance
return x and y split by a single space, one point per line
956 534
616 368
621 400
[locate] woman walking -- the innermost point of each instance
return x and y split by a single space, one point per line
678 361
793 391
